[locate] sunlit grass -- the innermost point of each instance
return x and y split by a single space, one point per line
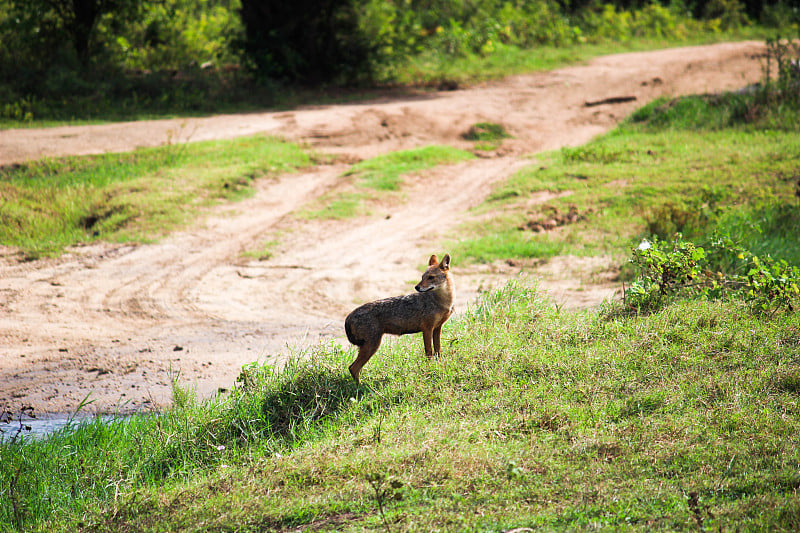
621 182
379 178
54 203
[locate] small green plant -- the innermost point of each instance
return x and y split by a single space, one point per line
772 285
386 490
781 69
664 270
488 136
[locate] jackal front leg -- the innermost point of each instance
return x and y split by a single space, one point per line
427 338
437 340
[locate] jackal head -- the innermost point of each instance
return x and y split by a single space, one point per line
436 276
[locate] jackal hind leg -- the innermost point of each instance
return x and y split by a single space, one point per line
365 351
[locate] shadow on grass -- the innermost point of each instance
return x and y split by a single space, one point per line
284 405
313 395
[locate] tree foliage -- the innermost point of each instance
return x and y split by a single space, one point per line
127 54
47 25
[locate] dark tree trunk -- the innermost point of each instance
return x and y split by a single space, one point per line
85 15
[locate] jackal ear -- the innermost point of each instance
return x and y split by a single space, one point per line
432 260
445 264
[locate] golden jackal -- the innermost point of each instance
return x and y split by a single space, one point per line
425 310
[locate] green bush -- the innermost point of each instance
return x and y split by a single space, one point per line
177 34
683 269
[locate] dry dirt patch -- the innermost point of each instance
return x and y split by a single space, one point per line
119 321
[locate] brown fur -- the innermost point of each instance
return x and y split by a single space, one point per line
425 310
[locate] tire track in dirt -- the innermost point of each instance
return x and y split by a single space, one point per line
118 321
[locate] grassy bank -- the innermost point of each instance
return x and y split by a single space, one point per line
54 203
629 185
682 419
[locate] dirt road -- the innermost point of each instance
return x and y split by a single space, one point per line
116 322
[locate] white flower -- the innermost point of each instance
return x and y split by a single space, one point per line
644 245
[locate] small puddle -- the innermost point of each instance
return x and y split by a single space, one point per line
44 425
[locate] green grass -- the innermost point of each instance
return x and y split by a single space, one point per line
384 172
634 182
379 178
262 252
765 229
54 203
532 417
747 111
337 206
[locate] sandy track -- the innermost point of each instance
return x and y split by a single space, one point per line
116 321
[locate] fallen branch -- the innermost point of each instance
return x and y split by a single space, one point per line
611 100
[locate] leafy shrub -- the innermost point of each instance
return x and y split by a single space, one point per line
174 34
610 21
781 69
663 271
683 269
730 13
